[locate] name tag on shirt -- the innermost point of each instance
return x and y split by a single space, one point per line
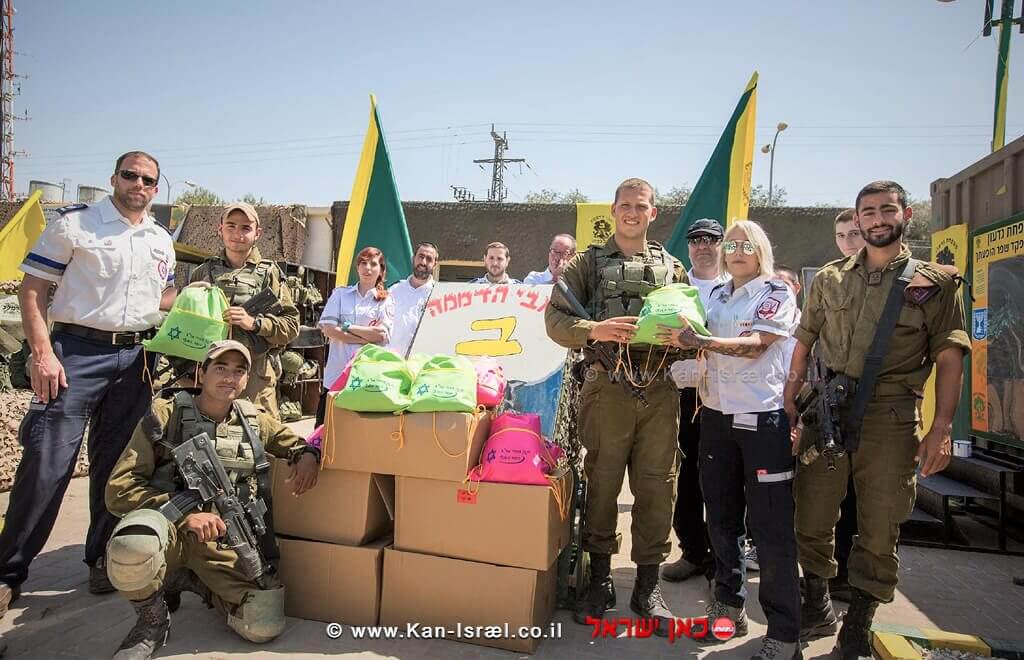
745 421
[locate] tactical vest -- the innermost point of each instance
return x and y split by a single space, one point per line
240 285
231 442
621 283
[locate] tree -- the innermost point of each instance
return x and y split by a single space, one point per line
250 198
548 196
759 196
199 196
676 195
920 227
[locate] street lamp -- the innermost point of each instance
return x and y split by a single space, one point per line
190 184
770 149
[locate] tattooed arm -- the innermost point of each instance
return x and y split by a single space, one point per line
751 346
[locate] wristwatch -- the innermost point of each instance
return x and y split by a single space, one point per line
257 324
345 325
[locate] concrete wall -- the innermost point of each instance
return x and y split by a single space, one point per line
800 236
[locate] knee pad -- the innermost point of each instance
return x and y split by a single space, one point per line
135 552
260 617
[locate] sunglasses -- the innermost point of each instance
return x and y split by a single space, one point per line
729 247
130 176
703 240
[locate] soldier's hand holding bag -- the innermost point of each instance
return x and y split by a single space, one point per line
194 322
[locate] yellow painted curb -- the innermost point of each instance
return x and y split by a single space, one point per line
890 646
941 639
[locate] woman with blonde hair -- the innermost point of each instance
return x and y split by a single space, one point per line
746 463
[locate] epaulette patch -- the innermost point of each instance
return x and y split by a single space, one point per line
71 207
778 285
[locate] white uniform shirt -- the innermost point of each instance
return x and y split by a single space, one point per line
484 280
733 385
540 277
110 274
410 302
345 304
686 373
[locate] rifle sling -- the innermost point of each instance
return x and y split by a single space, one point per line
876 354
268 542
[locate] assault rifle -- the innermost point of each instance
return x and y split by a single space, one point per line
818 405
208 483
601 351
264 302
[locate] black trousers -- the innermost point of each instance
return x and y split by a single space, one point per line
751 469
688 517
106 391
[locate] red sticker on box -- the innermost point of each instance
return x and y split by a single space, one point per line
463 496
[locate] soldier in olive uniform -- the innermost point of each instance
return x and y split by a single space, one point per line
842 312
618 430
152 559
240 272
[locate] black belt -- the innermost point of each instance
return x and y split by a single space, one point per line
104 336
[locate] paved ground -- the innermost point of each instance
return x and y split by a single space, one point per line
58 618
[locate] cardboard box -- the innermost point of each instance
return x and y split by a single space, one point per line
462 595
442 445
349 508
327 582
507 524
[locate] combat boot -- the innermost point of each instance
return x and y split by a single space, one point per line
150 631
817 618
854 641
8 595
680 570
773 649
647 600
182 580
600 593
716 610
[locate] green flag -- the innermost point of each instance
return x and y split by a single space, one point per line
723 191
375 216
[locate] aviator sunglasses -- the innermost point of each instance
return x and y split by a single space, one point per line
729 247
128 175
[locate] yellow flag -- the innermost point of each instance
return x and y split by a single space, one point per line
594 224
949 247
741 159
18 237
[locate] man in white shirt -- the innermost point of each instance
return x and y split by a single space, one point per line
704 243
410 296
113 267
562 250
497 257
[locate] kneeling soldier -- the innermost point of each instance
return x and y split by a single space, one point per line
193 492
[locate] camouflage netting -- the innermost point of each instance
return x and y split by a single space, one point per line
13 405
565 433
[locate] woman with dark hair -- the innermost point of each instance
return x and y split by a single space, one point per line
355 315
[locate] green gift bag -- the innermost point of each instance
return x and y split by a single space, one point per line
663 307
444 384
379 381
195 321
416 362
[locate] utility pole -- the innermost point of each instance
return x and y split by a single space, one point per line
1005 22
9 88
498 192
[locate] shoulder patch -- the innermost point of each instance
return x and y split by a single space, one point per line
71 208
768 308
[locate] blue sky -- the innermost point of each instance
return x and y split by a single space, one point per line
271 98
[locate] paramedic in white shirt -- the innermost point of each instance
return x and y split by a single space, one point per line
746 461
497 257
561 252
113 268
410 296
704 244
356 315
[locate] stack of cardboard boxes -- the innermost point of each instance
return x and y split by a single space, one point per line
478 560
